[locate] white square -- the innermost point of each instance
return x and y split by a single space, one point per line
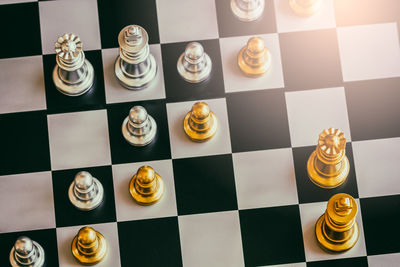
182 146
69 16
309 214
312 111
115 93
288 21
372 158
126 207
22 84
65 236
79 139
369 51
186 20
234 78
265 178
386 260
211 239
3 2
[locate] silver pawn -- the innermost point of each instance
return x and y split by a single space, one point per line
139 128
305 7
73 75
247 10
85 192
135 66
194 65
27 253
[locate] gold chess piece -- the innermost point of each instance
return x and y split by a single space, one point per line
328 166
337 229
305 7
254 59
146 186
89 246
200 124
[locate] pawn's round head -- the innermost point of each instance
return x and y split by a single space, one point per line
145 175
138 114
83 180
256 45
23 245
200 111
87 235
194 50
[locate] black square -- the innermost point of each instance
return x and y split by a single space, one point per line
272 235
381 218
258 120
307 190
67 214
121 150
153 242
58 102
204 184
46 238
115 15
24 143
229 25
20 30
177 89
354 262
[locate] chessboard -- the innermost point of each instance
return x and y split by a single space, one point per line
241 199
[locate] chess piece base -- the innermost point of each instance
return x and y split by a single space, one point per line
147 199
88 204
305 11
247 16
200 136
40 257
93 258
139 140
195 77
251 71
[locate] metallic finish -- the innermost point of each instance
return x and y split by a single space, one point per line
337 229
247 10
254 59
89 247
146 186
27 253
135 67
200 124
194 65
305 7
85 192
328 166
139 128
73 75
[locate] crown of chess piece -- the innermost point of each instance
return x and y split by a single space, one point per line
337 230
328 166
194 65
247 10
135 67
26 253
89 246
146 186
139 128
85 192
305 7
73 75
254 59
200 123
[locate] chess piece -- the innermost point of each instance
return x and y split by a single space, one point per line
337 230
146 186
305 7
194 65
89 246
254 59
135 67
328 166
26 252
200 124
73 75
85 192
247 10
139 128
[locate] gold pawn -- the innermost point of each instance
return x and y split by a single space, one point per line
305 7
254 59
146 186
89 246
337 230
328 166
200 124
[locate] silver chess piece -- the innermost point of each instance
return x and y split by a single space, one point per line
194 65
85 192
26 253
135 66
139 128
247 10
305 7
73 75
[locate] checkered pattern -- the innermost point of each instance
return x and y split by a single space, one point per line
241 199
